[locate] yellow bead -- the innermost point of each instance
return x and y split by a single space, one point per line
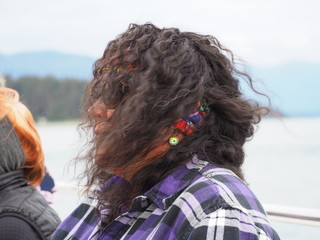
119 69
173 141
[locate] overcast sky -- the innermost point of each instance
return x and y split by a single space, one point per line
263 33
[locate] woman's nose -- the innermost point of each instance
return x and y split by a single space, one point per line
98 109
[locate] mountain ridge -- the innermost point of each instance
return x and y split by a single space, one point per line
46 63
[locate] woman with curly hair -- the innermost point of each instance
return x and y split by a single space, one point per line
24 213
167 122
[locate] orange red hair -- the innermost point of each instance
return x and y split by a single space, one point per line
24 125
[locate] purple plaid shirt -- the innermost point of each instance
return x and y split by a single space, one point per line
196 201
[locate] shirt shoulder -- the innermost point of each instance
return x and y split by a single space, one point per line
230 189
218 196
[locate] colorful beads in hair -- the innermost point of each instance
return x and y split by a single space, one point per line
193 121
119 69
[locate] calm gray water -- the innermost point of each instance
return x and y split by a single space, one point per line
282 166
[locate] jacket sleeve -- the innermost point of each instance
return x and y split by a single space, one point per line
14 228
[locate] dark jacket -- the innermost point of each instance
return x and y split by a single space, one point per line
17 197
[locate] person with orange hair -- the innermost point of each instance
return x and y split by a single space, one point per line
24 213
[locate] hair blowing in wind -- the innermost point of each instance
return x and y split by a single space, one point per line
152 77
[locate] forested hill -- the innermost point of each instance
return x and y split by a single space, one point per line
49 83
48 97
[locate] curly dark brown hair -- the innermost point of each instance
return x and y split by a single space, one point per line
172 71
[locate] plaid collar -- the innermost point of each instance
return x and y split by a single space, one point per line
164 193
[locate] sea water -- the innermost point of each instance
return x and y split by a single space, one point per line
282 166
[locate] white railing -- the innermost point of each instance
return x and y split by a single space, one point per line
295 215
277 213
67 188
